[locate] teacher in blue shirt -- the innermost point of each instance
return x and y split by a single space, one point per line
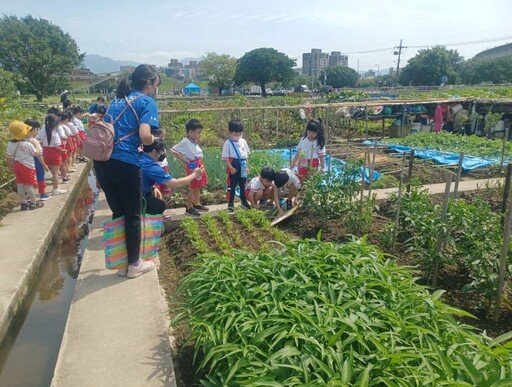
120 177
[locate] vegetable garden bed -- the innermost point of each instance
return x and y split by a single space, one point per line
284 352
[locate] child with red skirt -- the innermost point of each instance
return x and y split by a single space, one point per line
311 149
190 154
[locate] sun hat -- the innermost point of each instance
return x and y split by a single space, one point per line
19 130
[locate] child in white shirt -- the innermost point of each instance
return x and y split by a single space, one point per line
190 154
235 154
20 156
311 149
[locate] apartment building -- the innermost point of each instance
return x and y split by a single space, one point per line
315 61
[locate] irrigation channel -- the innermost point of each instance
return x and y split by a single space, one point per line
30 351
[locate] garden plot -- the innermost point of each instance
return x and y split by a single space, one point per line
273 304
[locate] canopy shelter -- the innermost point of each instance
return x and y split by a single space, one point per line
192 88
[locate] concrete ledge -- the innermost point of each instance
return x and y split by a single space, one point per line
117 332
25 237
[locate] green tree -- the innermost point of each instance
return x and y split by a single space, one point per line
7 86
496 70
264 65
39 53
339 76
429 65
220 70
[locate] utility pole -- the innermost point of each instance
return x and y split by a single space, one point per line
399 53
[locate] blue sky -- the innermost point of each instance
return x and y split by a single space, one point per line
153 31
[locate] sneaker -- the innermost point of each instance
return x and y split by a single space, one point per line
245 206
24 207
231 207
59 191
201 208
192 212
71 170
136 271
65 180
122 272
44 196
33 206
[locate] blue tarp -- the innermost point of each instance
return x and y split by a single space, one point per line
337 164
445 158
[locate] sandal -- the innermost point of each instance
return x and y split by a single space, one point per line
33 206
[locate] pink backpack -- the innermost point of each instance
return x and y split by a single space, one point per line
99 143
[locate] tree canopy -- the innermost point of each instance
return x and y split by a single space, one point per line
429 65
220 70
7 86
38 53
264 65
339 76
496 70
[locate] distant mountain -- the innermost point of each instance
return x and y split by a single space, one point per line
101 64
496 52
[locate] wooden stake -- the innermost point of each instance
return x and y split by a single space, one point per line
459 171
503 260
409 172
506 191
440 239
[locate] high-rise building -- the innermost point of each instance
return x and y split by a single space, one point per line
315 61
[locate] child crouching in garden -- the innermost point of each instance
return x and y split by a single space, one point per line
260 189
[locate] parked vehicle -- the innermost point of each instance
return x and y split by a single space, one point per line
255 90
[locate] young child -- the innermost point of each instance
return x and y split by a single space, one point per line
64 134
101 110
288 180
190 154
52 149
78 114
260 189
153 175
235 154
20 156
40 165
311 149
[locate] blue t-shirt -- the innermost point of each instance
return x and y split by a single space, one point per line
146 108
151 173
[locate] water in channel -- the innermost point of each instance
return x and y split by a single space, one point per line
30 351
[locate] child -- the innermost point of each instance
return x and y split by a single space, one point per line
190 154
38 159
234 154
311 149
287 179
78 113
52 149
153 174
101 110
260 189
64 134
20 156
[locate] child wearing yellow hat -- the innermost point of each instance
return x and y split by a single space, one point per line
20 156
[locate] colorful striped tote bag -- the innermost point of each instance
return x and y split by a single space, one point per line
114 240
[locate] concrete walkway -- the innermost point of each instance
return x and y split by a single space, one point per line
117 332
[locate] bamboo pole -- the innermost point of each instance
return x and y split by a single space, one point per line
398 205
409 172
506 191
440 239
366 120
503 261
459 171
372 169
